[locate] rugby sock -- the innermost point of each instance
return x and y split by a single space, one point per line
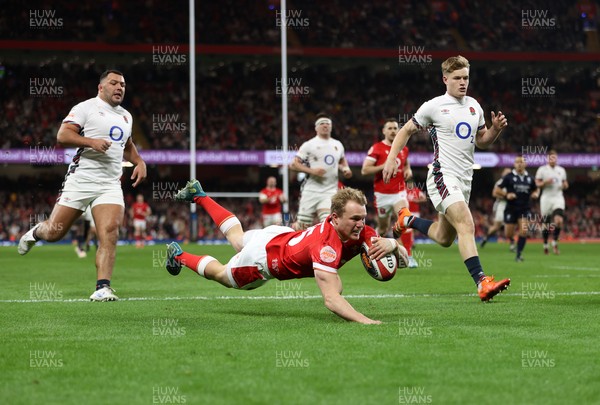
419 224
556 233
224 219
521 245
407 241
196 263
545 234
102 283
189 260
34 234
474 266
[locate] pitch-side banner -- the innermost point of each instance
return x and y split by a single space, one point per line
44 156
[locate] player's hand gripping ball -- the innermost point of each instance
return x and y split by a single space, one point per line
385 268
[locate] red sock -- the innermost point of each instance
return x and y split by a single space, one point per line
189 260
407 241
216 212
138 238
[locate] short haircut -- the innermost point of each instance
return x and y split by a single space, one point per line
341 198
454 63
552 152
322 115
109 71
390 119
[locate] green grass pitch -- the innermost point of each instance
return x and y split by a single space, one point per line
187 340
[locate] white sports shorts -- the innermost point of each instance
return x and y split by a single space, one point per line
272 219
445 189
384 203
311 202
79 194
139 224
499 207
248 269
549 204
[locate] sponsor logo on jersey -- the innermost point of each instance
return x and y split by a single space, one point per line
328 254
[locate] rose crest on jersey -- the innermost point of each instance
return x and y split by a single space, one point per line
328 254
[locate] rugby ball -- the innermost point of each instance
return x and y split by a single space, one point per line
383 269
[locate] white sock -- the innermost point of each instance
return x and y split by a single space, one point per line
203 263
228 224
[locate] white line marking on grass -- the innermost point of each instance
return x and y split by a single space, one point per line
575 268
566 276
266 297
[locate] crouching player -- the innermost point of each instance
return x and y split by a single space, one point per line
280 252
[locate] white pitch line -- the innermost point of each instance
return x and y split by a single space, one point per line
274 297
575 268
566 276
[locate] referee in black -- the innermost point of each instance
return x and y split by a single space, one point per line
520 189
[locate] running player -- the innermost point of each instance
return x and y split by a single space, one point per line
456 124
552 180
101 130
517 187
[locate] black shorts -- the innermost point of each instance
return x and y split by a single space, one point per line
512 215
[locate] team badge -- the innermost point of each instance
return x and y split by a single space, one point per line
125 118
445 111
328 254
472 110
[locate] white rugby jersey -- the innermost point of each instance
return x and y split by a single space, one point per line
557 174
326 153
452 125
98 119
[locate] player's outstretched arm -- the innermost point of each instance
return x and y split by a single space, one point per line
331 285
390 168
486 137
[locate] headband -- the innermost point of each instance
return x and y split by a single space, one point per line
322 121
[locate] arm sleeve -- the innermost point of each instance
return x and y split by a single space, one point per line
77 115
481 124
423 116
303 152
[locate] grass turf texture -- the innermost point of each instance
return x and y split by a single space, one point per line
535 343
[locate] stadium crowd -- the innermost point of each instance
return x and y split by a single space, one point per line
239 103
438 24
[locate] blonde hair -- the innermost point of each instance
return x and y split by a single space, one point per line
454 63
341 198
